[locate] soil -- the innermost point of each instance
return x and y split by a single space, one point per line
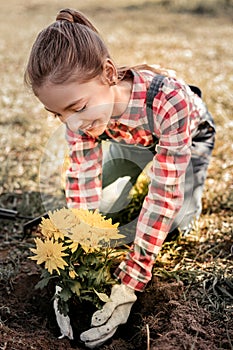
162 318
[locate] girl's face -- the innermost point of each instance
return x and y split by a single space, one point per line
87 107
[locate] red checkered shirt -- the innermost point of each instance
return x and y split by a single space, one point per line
177 112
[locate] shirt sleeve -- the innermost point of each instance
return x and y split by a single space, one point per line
83 177
166 190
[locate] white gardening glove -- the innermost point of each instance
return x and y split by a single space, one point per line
112 192
114 312
62 321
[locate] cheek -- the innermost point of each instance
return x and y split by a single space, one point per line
100 111
104 100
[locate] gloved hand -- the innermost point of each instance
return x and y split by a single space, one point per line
111 193
114 312
62 321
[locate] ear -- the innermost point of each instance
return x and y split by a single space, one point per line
109 72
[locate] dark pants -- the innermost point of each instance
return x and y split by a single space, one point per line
126 160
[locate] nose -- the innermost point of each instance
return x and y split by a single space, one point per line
73 122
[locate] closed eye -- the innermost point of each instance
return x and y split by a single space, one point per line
81 109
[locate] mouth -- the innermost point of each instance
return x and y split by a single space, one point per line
89 127
95 130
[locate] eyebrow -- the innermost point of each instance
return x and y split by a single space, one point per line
67 107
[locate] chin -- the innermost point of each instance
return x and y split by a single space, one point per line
95 132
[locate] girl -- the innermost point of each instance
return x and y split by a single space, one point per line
72 73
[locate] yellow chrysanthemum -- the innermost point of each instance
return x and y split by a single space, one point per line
92 230
87 243
84 227
64 219
49 252
94 219
49 230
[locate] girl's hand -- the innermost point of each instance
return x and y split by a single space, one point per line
113 313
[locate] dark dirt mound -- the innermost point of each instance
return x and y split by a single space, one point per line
160 319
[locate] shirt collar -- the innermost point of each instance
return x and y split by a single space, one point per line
137 99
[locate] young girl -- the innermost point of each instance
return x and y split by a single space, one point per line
72 73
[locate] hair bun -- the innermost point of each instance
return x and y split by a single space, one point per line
74 16
65 15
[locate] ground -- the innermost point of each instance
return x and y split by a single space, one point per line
189 302
166 316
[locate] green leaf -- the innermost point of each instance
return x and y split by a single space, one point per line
63 307
42 283
65 294
76 288
45 274
82 271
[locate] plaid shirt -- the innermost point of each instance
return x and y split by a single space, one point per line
177 112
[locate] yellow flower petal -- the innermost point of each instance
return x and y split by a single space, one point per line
72 274
92 229
49 230
50 252
64 219
94 219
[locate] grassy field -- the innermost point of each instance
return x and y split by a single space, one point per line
193 276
